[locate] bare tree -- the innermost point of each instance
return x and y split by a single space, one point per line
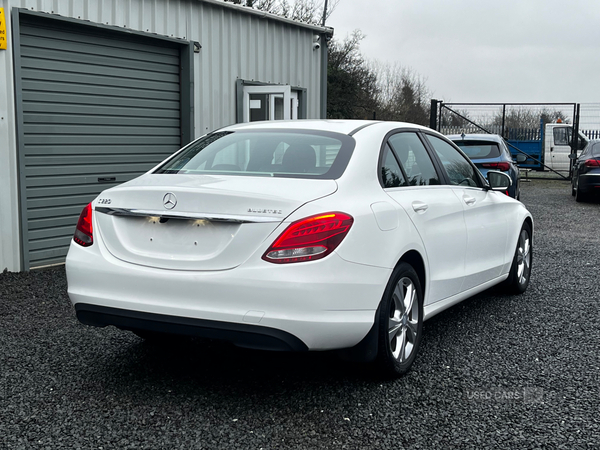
402 94
528 118
351 85
307 11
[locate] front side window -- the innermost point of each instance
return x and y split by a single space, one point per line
459 170
266 153
414 159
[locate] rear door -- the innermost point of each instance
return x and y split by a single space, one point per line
410 178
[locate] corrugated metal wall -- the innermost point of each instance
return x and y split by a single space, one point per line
236 44
98 110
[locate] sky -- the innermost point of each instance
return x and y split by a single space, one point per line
505 51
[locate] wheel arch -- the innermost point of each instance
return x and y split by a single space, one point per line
367 349
415 259
529 221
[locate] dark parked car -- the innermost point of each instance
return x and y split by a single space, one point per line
489 152
586 172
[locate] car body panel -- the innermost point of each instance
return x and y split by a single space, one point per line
221 219
587 179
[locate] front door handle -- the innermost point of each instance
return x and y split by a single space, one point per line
420 207
469 200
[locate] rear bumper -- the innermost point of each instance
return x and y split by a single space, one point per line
589 182
320 305
243 335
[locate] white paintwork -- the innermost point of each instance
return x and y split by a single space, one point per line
329 303
486 216
438 217
200 244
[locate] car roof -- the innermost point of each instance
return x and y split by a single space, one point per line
348 127
476 137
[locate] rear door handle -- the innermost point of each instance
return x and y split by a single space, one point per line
469 200
420 207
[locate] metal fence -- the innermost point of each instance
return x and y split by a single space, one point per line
522 125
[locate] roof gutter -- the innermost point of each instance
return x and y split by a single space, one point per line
328 31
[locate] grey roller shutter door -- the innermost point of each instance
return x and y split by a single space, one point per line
99 108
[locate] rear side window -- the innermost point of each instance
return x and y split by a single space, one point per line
414 159
479 149
391 174
267 153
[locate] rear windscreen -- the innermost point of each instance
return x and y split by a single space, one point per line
479 149
284 153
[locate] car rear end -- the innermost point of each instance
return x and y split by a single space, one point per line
589 172
225 245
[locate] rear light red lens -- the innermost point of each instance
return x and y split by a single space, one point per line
84 235
310 238
592 163
502 166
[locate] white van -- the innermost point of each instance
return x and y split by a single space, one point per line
557 145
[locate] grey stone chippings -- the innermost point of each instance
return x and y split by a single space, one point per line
494 371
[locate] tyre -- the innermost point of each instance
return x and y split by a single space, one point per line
579 196
400 321
520 270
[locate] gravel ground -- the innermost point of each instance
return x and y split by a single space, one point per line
497 371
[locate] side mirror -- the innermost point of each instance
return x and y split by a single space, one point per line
521 158
572 155
498 181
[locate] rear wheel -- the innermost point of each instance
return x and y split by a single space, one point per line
579 196
520 271
400 321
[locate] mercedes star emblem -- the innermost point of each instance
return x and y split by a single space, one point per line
169 200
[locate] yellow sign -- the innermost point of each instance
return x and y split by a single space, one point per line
3 35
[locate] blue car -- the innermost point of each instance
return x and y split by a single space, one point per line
489 152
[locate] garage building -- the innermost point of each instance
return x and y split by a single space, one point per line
96 92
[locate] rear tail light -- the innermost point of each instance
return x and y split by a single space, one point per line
84 235
502 166
592 163
310 238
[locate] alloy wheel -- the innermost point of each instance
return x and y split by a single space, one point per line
403 320
523 257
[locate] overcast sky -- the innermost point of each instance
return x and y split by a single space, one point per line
484 50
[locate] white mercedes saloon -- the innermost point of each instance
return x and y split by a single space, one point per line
300 235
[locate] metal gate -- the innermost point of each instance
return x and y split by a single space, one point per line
522 125
95 108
